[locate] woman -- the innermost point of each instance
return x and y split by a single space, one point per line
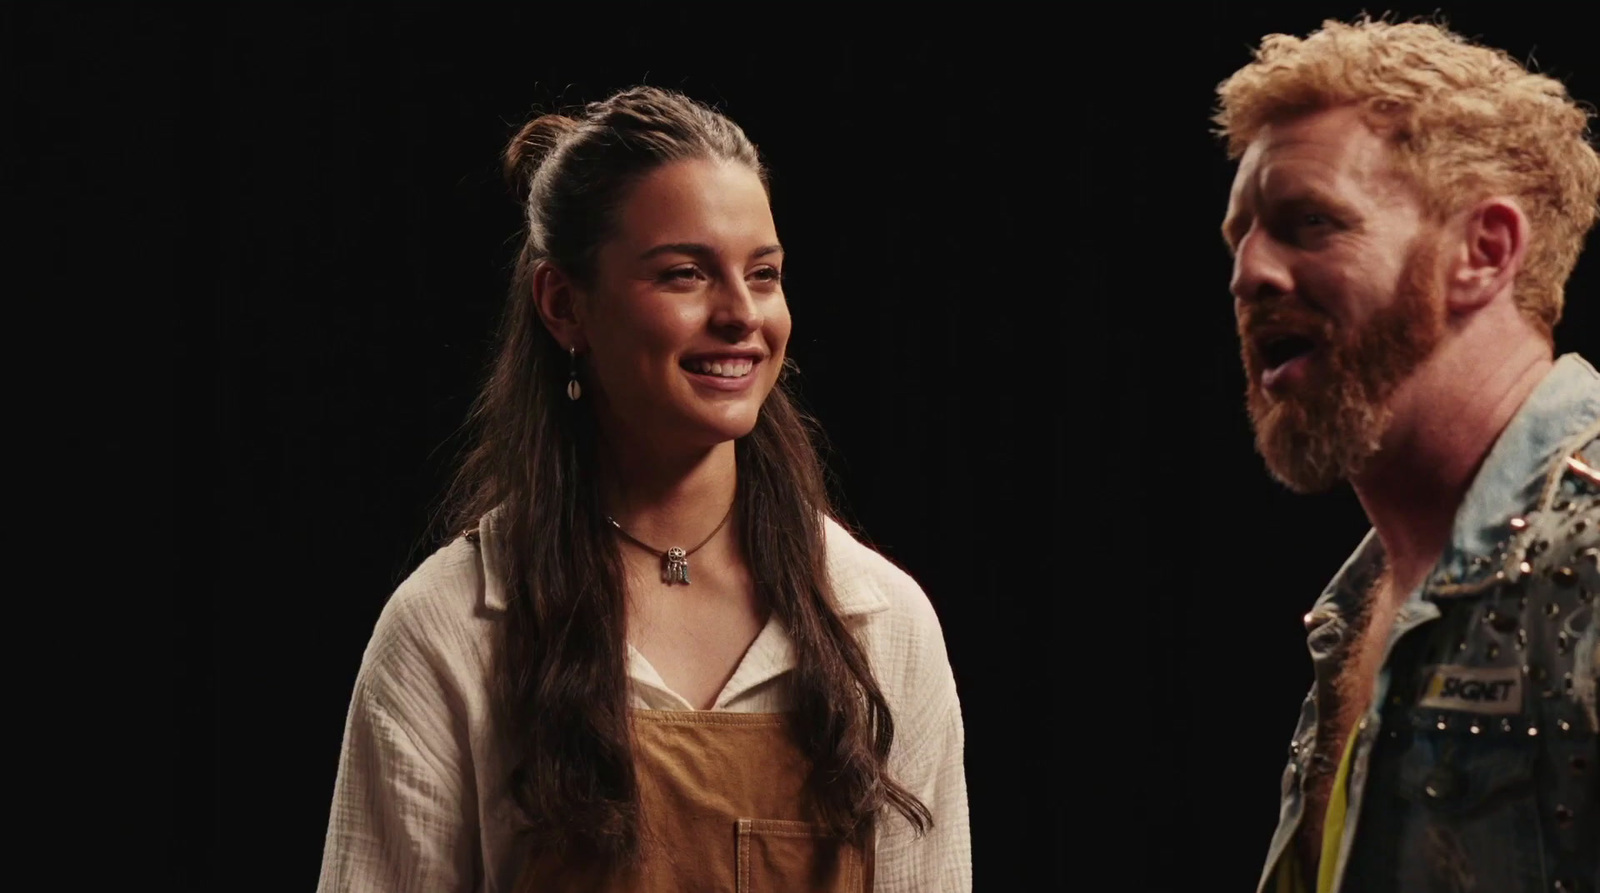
654 662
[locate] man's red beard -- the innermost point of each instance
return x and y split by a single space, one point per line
1332 422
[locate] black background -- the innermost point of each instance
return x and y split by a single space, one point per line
279 243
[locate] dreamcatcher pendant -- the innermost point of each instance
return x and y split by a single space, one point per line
675 566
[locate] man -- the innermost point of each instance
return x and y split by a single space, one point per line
1406 212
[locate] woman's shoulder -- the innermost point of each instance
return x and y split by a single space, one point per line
897 624
449 583
437 617
866 583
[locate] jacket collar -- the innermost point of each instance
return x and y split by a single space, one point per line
1554 422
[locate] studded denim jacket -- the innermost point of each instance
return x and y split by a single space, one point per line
1475 768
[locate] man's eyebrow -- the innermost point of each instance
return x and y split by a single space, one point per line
1313 195
1235 226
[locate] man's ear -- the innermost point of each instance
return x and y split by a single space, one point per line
1494 243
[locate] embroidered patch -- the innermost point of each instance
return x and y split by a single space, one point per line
1496 690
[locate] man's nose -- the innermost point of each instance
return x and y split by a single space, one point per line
1260 269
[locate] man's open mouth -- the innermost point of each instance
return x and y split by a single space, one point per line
1278 351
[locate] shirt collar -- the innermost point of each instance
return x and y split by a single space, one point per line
858 587
494 593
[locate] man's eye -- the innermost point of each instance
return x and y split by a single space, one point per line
768 274
681 274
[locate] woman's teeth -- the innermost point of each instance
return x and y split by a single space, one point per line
722 368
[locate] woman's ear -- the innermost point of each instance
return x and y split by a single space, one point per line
557 297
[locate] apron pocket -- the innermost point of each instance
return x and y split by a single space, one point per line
795 857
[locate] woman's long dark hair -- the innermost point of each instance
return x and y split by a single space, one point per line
560 679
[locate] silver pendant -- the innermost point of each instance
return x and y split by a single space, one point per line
675 566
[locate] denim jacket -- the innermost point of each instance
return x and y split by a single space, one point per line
1475 766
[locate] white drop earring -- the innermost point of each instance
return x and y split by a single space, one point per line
574 390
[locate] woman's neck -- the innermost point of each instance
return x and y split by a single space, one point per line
668 499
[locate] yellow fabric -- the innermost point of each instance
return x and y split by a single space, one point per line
1333 819
1289 878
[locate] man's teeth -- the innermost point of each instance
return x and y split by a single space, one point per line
723 368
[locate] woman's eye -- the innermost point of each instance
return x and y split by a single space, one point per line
681 274
768 274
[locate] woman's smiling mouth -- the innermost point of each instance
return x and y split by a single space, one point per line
732 367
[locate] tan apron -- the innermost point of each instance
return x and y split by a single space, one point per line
723 809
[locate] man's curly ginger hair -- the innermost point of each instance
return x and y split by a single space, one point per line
1466 122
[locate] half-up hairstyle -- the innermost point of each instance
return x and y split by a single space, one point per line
560 677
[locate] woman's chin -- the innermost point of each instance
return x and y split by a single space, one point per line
725 419
704 429
724 429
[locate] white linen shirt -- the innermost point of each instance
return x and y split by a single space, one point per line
420 802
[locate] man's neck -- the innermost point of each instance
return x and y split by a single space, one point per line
1446 419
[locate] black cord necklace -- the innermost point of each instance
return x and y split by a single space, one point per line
674 561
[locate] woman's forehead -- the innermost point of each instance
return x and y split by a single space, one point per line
722 204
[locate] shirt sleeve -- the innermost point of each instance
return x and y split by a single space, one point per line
927 759
404 810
